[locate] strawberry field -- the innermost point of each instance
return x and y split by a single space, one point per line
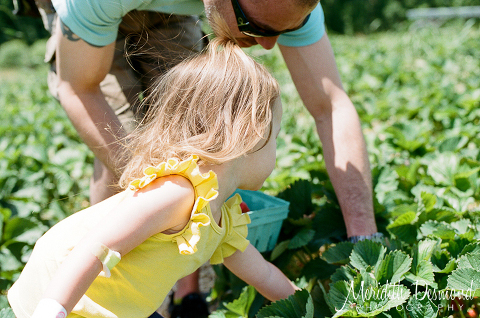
418 96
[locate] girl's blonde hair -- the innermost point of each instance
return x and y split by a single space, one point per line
217 105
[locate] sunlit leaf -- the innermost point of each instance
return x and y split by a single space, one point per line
443 168
422 275
7 313
241 305
393 267
465 279
469 261
367 253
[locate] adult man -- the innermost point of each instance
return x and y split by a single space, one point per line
99 87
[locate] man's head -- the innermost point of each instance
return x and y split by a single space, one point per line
271 16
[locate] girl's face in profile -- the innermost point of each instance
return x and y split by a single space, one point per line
261 161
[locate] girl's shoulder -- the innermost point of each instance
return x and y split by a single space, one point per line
167 200
203 183
175 186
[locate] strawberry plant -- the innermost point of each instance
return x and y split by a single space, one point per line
419 108
44 170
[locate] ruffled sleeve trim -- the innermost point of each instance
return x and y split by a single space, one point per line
237 230
205 185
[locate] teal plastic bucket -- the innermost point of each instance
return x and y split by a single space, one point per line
267 214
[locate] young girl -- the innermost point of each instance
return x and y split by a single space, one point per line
211 128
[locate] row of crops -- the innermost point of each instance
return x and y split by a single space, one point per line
418 96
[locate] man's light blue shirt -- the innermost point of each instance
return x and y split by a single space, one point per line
97 21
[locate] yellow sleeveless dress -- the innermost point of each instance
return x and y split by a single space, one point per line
142 279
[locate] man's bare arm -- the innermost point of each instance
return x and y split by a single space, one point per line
81 68
316 77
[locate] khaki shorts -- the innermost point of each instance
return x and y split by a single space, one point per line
148 43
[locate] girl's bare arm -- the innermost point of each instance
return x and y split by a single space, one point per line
165 204
251 267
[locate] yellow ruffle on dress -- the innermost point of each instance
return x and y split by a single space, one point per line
205 186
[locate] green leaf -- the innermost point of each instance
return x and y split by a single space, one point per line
422 275
3 302
319 302
2 218
345 273
329 222
453 144
440 230
404 227
367 254
387 182
466 280
443 214
302 238
218 314
298 305
428 200
63 180
6 213
458 200
390 296
299 194
393 313
67 156
420 306
468 173
407 135
340 298
8 261
393 267
7 313
241 305
37 152
318 268
279 249
442 262
23 230
469 261
423 250
461 226
339 253
443 168
36 193
472 248
456 247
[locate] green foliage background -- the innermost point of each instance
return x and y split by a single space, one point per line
12 27
360 16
